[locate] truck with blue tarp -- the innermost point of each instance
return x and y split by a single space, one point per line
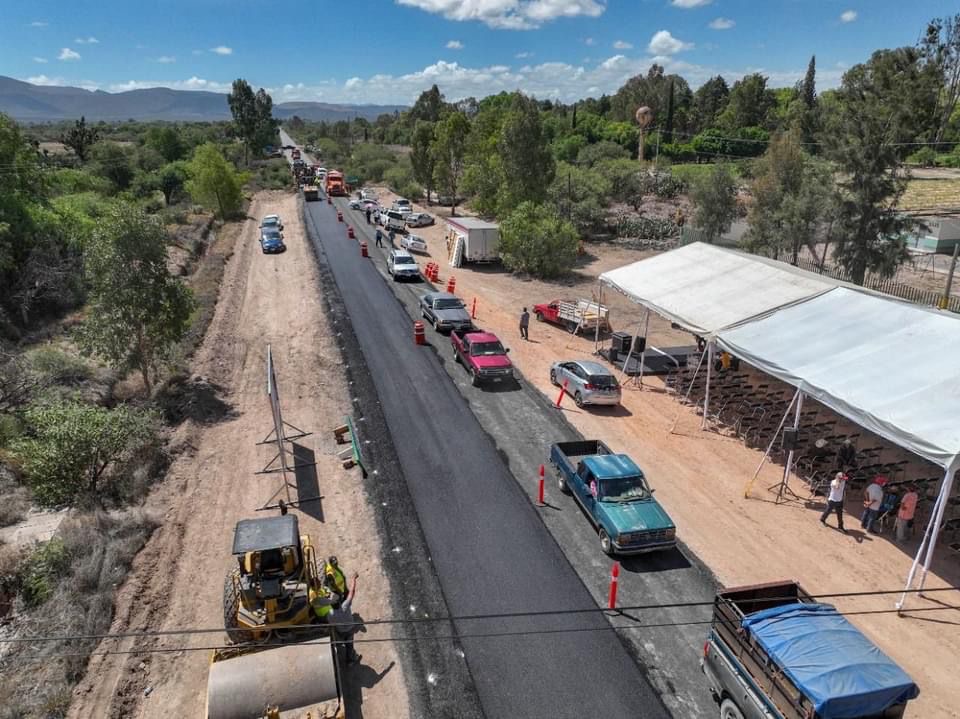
615 495
775 653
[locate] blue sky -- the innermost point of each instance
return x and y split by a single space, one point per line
388 51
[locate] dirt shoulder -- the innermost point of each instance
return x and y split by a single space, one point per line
177 580
700 477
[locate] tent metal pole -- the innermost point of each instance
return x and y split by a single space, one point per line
923 544
596 336
626 362
643 352
945 496
706 394
766 455
689 389
796 427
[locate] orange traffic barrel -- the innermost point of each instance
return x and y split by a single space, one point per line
350 233
452 284
329 201
363 249
418 335
339 216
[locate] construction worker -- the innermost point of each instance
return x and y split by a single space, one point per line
342 615
335 581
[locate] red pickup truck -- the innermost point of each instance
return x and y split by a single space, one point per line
483 356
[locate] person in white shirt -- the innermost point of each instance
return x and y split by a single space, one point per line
872 499
835 501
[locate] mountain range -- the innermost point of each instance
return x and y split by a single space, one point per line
26 102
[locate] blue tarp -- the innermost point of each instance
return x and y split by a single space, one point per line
831 661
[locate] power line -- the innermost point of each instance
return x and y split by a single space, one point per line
456 637
479 617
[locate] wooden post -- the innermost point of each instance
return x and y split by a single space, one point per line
945 300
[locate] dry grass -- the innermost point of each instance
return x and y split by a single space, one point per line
926 193
36 679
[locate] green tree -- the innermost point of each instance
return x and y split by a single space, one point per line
805 110
420 156
653 91
709 101
714 196
526 162
172 180
941 48
534 239
253 117
166 140
113 162
750 104
137 310
580 195
881 105
792 198
80 138
213 182
72 451
430 106
449 150
668 128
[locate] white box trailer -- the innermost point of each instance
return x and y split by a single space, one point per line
472 240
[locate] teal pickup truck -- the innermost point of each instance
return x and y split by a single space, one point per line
615 495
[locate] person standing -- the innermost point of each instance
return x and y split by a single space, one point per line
835 500
379 238
872 499
368 214
392 236
525 324
908 508
345 624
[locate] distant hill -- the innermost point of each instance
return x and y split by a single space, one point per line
41 103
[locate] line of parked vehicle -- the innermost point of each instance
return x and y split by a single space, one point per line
271 235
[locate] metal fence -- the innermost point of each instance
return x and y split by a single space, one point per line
918 296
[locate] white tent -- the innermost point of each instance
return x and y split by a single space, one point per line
704 288
888 366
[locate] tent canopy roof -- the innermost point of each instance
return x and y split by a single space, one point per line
704 288
889 366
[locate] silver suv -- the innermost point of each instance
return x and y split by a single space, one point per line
402 266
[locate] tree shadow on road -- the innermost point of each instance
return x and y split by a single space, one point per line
307 481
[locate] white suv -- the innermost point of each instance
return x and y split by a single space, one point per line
393 220
402 266
404 207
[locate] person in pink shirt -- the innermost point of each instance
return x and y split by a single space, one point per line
908 507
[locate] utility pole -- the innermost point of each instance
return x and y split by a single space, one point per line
945 300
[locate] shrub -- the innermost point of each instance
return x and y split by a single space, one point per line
536 240
43 571
400 180
925 157
53 366
73 451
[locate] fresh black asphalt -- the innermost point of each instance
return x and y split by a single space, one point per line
491 551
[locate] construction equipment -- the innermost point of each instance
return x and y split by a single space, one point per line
277 661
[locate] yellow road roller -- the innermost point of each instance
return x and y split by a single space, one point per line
281 659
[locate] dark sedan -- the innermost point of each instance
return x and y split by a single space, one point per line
271 242
445 311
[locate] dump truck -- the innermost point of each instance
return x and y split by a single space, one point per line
775 653
615 495
575 315
335 185
472 240
279 656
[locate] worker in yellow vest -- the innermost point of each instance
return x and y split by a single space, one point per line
335 581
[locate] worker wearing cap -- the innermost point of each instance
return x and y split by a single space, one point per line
872 500
335 581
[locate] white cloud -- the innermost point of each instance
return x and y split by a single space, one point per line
38 23
848 16
509 14
166 59
622 45
721 23
68 54
454 45
44 80
40 59
86 40
352 83
222 50
687 4
589 41
663 43
523 55
193 83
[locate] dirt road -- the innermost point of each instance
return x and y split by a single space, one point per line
177 579
700 477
